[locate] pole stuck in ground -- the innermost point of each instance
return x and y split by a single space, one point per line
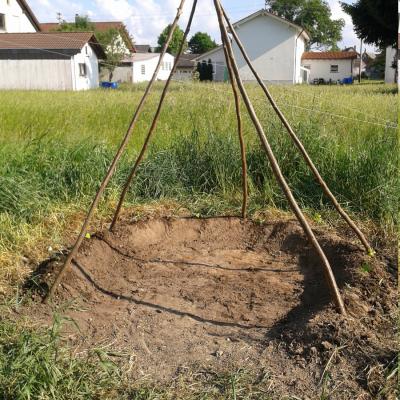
115 161
330 278
155 120
240 132
296 140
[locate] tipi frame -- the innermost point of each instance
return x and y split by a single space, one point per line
237 88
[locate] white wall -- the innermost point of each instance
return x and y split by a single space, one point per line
150 66
184 74
91 80
35 75
50 74
16 20
389 71
322 69
121 73
300 48
270 46
273 47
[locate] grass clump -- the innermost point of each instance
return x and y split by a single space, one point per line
35 365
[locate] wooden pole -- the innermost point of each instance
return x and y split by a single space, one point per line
359 71
297 141
115 161
330 278
154 123
240 133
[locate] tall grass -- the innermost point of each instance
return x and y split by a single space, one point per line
55 149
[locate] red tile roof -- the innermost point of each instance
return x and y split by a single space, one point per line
50 41
329 55
100 27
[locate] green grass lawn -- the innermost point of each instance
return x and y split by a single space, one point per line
55 149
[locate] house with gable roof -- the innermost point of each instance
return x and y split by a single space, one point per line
274 45
49 61
331 66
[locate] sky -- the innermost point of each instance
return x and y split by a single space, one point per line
146 19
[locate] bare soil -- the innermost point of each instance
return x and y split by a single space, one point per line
223 293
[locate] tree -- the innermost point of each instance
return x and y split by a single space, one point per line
110 40
314 16
176 40
205 70
201 42
375 21
199 70
114 49
82 24
210 71
377 66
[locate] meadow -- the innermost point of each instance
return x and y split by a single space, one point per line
55 149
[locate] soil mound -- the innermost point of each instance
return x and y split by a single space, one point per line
175 292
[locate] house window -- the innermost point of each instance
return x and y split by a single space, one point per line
2 22
82 69
143 68
334 68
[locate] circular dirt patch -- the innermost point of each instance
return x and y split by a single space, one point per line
182 291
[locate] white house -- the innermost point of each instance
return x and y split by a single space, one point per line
49 61
330 65
391 58
16 16
274 45
140 67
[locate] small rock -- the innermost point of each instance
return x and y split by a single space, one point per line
299 350
326 345
218 354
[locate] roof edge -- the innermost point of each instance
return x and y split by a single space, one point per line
276 17
29 13
208 53
121 27
329 55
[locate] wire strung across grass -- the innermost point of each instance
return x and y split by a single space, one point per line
387 125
